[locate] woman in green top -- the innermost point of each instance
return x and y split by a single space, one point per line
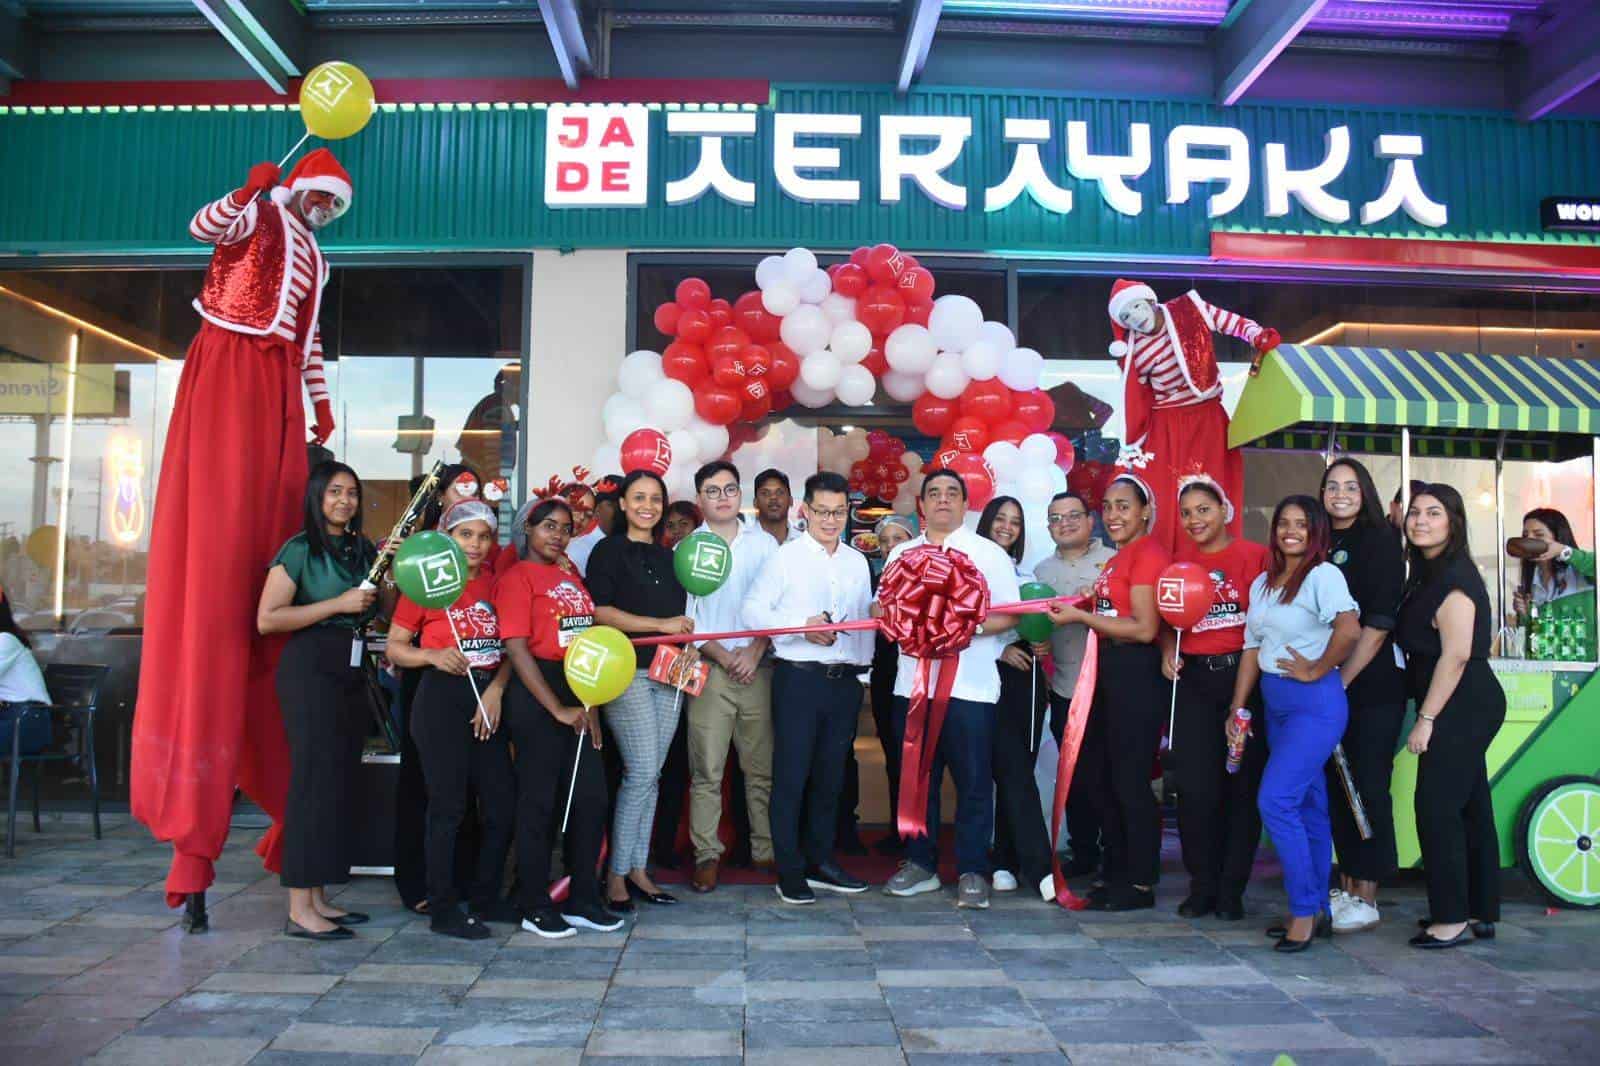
1560 583
314 593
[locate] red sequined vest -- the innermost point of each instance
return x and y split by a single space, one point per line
246 287
1191 330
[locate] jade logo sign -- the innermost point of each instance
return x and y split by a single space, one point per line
329 87
439 573
598 155
586 660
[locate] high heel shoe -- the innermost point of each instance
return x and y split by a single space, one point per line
660 899
1480 930
1322 928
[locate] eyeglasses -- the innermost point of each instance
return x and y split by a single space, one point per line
1070 518
838 514
717 492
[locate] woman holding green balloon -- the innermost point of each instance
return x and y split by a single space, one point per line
1021 844
635 590
313 592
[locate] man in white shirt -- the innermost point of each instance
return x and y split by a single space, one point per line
966 743
736 704
773 502
813 579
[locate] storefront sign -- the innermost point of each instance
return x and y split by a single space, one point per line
1579 214
41 388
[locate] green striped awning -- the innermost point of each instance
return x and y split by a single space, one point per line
1463 397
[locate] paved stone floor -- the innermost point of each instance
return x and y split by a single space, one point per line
93 967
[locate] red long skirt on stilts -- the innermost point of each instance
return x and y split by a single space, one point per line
1187 441
231 491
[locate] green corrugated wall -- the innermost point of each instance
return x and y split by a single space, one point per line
453 177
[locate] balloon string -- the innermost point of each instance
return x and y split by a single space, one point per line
583 738
451 622
1172 713
295 149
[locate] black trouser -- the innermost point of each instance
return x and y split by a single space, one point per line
813 723
1130 700
454 763
674 787
1021 843
885 663
1455 819
323 702
546 751
411 814
1082 813
1370 739
1219 824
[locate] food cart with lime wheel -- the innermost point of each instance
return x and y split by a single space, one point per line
1512 433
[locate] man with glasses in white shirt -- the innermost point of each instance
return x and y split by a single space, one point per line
813 579
736 704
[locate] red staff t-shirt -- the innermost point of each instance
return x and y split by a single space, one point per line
473 616
1232 570
1140 563
545 604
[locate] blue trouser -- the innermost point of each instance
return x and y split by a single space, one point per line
1304 723
35 735
966 746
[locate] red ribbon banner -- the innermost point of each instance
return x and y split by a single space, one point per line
1071 744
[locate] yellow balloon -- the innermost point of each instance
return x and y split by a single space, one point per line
41 547
336 100
599 665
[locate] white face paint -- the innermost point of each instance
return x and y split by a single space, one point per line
1138 316
315 214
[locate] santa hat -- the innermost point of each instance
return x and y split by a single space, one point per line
321 171
1123 293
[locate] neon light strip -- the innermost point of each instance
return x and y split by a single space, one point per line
1321 336
56 312
66 476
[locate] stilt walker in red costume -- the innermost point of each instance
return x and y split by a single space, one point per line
1172 395
231 491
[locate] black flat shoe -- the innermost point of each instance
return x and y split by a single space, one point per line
1126 899
619 906
351 918
1323 928
1288 946
660 899
1197 906
1427 940
1480 930
300 932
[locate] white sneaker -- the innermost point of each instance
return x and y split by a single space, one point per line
1004 881
1047 888
1356 914
1338 900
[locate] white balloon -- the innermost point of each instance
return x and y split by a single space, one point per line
669 405
712 440
905 501
998 336
954 322
981 360
856 445
622 415
1020 369
798 263
816 287
607 460
685 447
1033 485
902 387
806 330
780 298
850 342
1038 450
946 379
856 385
770 271
820 371
911 461
1058 479
638 372
909 349
838 308
680 482
1005 458
806 396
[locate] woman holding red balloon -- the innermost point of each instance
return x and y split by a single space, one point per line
1125 721
1218 823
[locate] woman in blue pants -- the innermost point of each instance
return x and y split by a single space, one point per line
1302 624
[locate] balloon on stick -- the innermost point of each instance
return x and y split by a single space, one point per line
1184 594
336 101
430 569
702 561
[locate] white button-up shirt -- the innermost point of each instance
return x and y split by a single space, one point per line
722 611
800 581
977 677
580 548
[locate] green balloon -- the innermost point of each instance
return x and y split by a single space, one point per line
1035 628
702 562
430 569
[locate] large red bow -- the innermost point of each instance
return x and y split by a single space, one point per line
933 601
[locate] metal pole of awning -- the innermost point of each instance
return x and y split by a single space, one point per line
1500 523
1405 481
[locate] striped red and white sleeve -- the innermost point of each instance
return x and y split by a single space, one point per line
313 373
224 221
1233 324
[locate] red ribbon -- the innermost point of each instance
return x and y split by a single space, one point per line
1071 744
933 601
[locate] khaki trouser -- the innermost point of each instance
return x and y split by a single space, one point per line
727 711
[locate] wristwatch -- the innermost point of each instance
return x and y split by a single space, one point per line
1565 554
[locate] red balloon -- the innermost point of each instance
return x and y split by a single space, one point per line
757 361
785 366
694 326
693 292
899 474
979 478
859 257
646 449
947 454
726 343
970 434
849 280
717 404
885 264
932 415
916 285
666 318
989 400
875 362
781 399
878 443
1034 409
751 316
919 313
755 401
1089 480
729 371
1184 593
911 260
1066 454
881 310
1010 430
685 363
721 312
856 484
